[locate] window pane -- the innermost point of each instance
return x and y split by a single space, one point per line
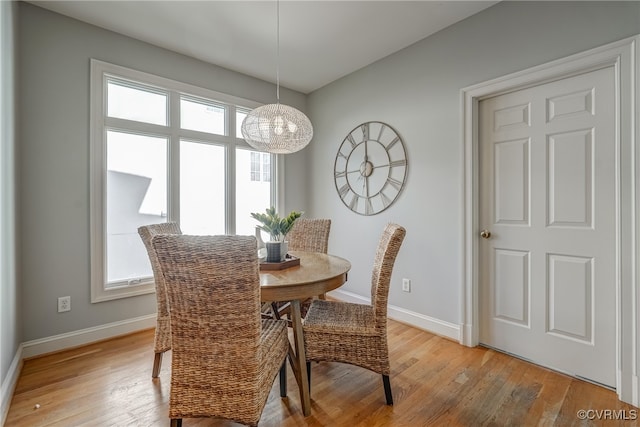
255 166
202 188
251 195
240 115
266 167
136 103
201 116
136 195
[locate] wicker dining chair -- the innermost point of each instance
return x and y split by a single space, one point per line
162 341
308 235
337 331
224 357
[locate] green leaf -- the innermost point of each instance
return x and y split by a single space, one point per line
274 225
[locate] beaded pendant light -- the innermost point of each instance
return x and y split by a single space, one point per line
277 128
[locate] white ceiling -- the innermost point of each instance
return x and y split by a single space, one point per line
320 41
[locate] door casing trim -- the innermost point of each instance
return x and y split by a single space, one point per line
624 56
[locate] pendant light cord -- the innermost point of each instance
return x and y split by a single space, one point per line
278 51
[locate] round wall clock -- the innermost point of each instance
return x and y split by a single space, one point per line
370 168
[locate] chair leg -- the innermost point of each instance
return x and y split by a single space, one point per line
309 375
387 389
157 363
176 422
283 379
276 313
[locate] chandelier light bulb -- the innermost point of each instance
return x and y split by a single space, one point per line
278 125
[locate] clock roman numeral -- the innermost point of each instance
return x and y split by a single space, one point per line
365 131
382 128
394 183
351 141
344 190
340 174
395 163
368 207
354 202
393 142
386 201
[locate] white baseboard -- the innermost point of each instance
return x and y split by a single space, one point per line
9 384
420 321
86 336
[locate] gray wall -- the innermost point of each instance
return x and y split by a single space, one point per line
10 324
54 159
417 91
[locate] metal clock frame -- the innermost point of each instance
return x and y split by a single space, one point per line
367 168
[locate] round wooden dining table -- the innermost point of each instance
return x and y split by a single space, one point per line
317 274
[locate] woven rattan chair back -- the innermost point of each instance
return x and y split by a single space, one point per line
337 331
309 235
162 341
385 258
224 358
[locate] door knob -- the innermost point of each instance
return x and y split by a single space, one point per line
485 234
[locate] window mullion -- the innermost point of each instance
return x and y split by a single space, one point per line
230 189
133 126
277 183
231 123
230 193
206 137
173 162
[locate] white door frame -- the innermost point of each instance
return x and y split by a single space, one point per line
624 56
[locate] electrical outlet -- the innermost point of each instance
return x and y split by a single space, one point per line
406 285
64 304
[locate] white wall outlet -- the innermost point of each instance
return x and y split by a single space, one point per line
64 304
406 285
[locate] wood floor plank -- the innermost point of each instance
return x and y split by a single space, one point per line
435 382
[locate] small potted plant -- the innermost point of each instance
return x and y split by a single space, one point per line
277 228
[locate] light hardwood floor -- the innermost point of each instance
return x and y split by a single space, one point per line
436 382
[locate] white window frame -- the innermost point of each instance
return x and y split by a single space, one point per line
100 124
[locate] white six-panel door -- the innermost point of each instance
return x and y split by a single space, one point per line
547 203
